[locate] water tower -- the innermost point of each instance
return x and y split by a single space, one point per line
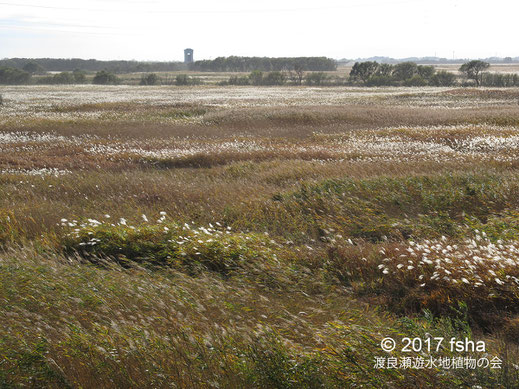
188 55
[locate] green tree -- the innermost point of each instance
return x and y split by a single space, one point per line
63 78
33 68
379 80
405 70
58 78
104 78
274 78
79 76
426 72
474 69
265 64
13 76
416 80
363 70
316 78
385 69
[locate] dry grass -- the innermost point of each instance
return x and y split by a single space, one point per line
322 189
80 326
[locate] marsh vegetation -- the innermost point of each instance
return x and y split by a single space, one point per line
211 236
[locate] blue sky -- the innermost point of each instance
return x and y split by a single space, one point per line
161 29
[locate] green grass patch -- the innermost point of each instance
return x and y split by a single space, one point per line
172 245
398 208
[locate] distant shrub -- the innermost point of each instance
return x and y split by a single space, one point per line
443 78
150 79
13 76
316 78
426 72
499 79
1 100
256 77
184 79
379 80
33 68
336 81
59 78
64 78
416 80
45 80
259 78
79 76
195 81
105 78
274 78
237 80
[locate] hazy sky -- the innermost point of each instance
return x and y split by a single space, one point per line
161 29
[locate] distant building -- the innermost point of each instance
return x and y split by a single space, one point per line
188 55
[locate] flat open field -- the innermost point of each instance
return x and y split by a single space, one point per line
242 237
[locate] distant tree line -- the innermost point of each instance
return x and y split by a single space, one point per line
372 73
90 65
406 73
500 79
14 76
368 73
257 77
265 64
75 77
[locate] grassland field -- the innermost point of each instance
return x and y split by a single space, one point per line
242 237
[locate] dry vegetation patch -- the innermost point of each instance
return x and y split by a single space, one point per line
244 237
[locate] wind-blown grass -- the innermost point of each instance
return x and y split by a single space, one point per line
264 238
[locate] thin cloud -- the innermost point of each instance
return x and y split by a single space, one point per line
216 10
334 28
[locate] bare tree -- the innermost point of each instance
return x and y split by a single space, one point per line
298 74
